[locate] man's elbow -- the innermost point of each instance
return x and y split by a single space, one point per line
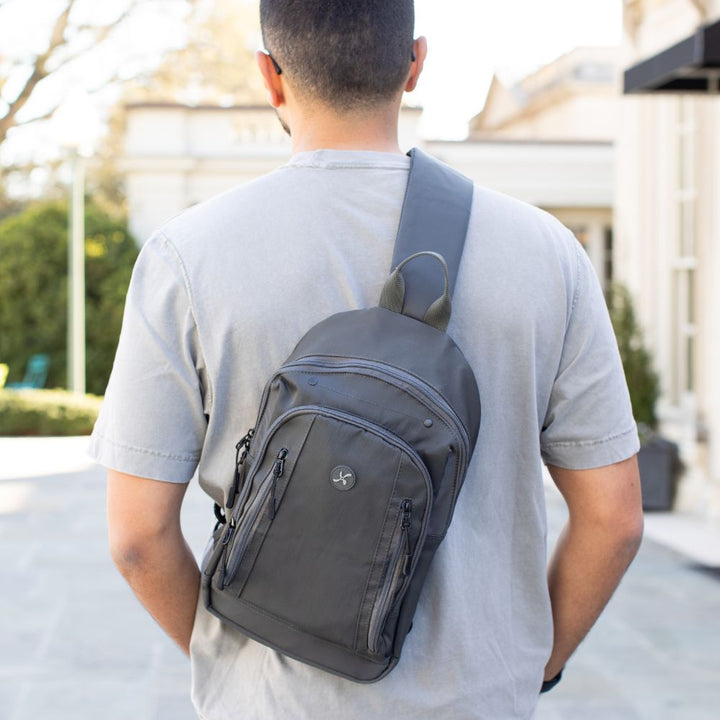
134 549
630 534
627 518
606 504
634 528
623 529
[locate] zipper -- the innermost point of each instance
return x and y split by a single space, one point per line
278 470
266 485
252 518
426 391
423 393
397 572
240 458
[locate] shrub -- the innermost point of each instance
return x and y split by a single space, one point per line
642 380
47 412
33 290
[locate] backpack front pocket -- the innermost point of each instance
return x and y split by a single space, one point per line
263 503
328 544
395 577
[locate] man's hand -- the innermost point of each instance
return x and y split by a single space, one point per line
594 550
148 547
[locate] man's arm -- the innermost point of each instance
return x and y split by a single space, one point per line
148 547
594 550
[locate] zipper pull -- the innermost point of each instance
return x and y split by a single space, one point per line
278 470
406 506
234 488
230 531
243 444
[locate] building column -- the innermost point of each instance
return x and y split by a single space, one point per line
596 249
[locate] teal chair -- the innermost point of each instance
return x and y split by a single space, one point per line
36 373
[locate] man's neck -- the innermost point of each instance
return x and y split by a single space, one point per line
327 131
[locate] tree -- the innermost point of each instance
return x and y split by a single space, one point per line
642 380
33 289
71 36
217 65
8 205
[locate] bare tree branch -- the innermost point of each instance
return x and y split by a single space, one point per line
57 56
101 33
39 72
45 116
26 168
114 78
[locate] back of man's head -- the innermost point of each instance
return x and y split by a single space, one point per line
347 54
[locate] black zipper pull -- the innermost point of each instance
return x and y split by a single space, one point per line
230 531
278 470
246 443
240 457
406 506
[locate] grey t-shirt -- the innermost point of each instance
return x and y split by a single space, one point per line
219 297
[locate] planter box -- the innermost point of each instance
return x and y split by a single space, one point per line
659 462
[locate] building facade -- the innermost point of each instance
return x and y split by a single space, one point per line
573 180
667 229
178 155
549 140
637 177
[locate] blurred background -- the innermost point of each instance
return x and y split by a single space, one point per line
115 116
605 114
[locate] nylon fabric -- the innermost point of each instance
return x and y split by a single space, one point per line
435 216
330 562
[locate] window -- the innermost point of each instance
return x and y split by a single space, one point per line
597 239
608 270
684 260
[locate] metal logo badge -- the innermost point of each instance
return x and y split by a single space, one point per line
343 478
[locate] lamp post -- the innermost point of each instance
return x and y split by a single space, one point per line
77 127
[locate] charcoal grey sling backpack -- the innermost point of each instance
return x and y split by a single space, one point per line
347 483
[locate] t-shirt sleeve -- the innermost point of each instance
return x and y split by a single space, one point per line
152 422
589 421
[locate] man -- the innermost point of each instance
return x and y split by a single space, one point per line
221 294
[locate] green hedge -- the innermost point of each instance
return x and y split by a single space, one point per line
33 290
642 380
47 412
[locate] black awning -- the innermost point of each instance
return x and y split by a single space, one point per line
691 66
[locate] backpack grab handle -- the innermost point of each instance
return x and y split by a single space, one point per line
393 293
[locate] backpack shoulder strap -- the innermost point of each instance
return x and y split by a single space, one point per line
435 217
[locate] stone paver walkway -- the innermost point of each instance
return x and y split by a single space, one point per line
655 652
76 645
74 642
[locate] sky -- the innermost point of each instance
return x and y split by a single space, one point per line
468 41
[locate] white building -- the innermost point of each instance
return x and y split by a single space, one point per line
547 140
668 220
635 178
178 155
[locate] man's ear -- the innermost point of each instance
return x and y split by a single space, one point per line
273 82
419 53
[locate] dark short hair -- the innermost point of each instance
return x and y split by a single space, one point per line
346 53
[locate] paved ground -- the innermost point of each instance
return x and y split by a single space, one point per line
75 644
